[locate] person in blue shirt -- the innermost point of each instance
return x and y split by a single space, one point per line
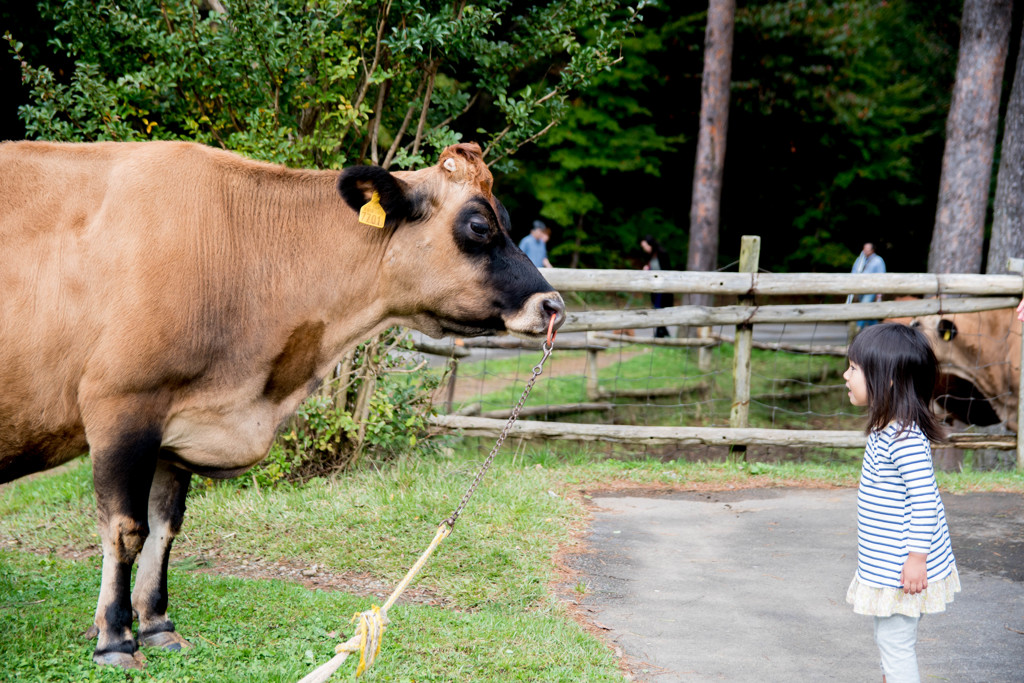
534 245
867 262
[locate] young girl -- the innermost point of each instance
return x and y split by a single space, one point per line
905 565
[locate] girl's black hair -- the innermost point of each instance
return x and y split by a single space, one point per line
900 370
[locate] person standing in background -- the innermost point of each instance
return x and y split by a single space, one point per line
657 259
867 262
534 245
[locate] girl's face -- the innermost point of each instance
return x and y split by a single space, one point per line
857 384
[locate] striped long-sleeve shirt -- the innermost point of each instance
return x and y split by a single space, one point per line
899 509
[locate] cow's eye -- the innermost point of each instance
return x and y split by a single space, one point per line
479 228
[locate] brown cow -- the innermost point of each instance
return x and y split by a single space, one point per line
979 364
166 305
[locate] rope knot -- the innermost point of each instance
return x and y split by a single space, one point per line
370 631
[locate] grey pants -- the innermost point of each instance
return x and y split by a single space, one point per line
896 637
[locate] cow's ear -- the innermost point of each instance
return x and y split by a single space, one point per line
503 218
358 183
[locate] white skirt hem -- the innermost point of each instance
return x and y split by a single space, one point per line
885 602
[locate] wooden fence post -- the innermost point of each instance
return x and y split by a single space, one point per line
1020 408
1016 265
704 352
593 387
750 253
449 399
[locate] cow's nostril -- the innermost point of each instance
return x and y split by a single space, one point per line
556 307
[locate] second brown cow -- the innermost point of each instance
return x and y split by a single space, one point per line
979 364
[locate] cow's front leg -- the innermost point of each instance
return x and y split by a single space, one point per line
166 511
123 468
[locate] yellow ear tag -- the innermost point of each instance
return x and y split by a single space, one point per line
372 212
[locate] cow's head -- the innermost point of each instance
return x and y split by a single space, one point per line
449 263
979 364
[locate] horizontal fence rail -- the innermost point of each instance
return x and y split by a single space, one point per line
749 315
694 436
781 284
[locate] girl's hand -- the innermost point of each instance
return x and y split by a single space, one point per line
914 576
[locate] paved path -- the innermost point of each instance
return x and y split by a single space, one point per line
750 586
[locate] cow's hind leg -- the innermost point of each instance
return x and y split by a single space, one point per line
122 474
166 511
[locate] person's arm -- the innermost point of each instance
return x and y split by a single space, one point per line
911 457
547 264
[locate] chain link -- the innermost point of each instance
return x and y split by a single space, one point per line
537 370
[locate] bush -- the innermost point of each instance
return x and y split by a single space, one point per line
321 84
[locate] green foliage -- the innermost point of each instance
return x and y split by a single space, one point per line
834 137
324 83
610 134
845 99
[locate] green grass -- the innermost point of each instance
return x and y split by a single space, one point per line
263 631
496 575
502 622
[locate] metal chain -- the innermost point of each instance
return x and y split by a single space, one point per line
537 370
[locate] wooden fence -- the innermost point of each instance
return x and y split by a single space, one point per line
947 293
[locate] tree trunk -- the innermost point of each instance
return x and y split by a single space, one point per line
1008 216
714 121
971 128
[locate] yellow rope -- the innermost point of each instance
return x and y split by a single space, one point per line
442 533
373 622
